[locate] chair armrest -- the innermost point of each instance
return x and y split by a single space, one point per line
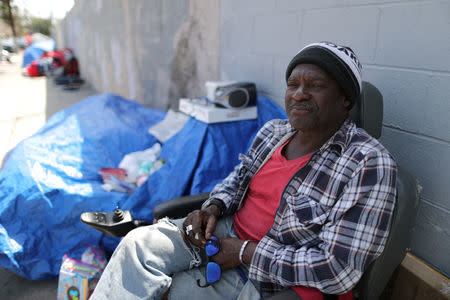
179 207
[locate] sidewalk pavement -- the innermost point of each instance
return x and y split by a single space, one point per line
25 104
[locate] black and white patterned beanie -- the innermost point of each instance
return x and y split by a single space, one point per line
339 61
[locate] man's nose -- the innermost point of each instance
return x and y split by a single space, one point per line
301 93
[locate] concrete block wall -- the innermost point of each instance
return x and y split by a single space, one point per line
125 47
404 47
137 48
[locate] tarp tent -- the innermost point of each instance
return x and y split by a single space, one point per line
50 178
37 37
36 50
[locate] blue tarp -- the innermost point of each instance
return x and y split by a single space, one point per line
49 179
36 50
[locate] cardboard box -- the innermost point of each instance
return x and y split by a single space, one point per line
75 286
209 113
77 279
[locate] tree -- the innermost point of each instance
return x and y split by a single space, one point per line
8 15
40 25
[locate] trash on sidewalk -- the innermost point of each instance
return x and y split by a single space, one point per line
132 161
147 168
72 86
141 163
69 81
66 79
133 170
60 63
78 278
115 179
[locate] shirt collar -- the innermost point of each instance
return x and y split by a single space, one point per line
340 138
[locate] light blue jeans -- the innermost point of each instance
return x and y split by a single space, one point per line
152 259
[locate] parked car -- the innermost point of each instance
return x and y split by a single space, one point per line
5 55
9 45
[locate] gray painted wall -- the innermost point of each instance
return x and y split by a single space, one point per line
405 50
129 47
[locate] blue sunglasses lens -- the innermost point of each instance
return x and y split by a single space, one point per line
213 272
212 246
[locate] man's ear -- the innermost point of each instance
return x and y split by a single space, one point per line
345 101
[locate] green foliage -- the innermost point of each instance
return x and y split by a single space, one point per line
40 25
4 10
8 12
23 23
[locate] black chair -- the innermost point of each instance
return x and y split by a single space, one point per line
368 114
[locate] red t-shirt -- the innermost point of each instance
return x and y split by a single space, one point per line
264 196
254 219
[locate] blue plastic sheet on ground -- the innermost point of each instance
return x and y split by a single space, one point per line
36 50
49 179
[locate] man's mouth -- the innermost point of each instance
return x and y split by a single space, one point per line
301 108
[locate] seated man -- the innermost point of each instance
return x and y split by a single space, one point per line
309 206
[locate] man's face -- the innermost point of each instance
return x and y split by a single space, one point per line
314 101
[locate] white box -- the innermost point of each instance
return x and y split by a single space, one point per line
209 113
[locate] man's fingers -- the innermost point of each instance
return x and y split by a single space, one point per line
200 237
197 238
194 225
210 227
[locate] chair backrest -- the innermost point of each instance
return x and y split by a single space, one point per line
379 273
368 114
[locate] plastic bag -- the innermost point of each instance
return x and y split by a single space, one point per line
132 161
147 168
115 179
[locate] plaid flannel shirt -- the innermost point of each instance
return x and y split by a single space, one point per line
334 214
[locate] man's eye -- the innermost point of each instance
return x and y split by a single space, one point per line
317 85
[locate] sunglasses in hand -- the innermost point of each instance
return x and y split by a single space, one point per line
213 270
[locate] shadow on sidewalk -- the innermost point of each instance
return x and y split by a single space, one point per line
59 99
14 287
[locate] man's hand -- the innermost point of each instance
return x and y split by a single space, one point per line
228 255
202 224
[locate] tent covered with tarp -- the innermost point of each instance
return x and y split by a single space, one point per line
36 50
50 178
